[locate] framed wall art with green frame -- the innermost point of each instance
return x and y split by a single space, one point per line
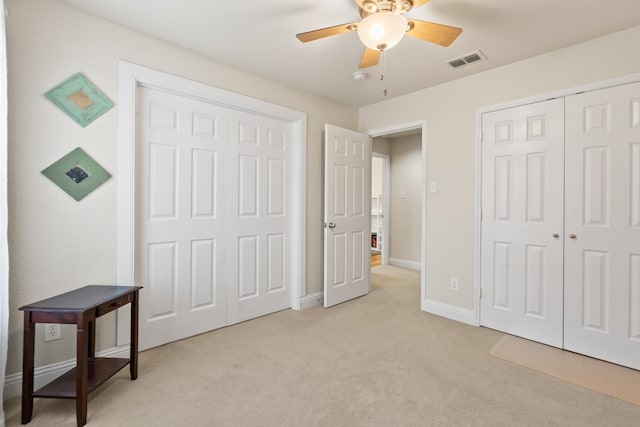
80 99
77 174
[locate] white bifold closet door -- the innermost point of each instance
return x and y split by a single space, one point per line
576 287
258 217
212 216
602 241
522 221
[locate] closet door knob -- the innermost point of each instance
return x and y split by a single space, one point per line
556 235
573 236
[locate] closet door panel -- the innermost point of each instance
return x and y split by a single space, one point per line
602 241
522 204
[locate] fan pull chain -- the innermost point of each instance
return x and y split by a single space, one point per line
384 70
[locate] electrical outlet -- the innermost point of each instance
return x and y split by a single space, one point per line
52 332
454 284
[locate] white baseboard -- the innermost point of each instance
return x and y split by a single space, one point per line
45 374
311 300
449 311
403 263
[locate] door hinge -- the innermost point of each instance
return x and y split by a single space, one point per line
480 293
481 215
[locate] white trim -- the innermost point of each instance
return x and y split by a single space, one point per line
4 243
45 374
590 87
477 212
311 300
404 263
299 188
603 84
452 312
130 77
390 130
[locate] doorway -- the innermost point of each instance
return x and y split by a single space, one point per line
417 195
347 219
380 183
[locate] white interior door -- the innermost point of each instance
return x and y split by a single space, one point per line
522 221
602 273
347 215
180 216
259 211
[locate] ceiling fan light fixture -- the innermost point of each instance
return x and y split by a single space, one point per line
382 30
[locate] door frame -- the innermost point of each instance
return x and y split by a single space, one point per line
386 204
130 77
603 84
389 131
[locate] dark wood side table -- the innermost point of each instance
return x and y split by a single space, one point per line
80 307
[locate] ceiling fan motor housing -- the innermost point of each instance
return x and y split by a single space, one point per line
370 7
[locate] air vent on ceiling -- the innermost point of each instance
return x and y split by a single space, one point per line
455 63
467 59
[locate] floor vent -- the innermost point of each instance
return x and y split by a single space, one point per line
467 59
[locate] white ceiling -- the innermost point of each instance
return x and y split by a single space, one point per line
259 36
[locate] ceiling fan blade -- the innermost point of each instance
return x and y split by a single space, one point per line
439 34
326 32
370 57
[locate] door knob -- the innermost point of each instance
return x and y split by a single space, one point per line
330 225
573 236
556 235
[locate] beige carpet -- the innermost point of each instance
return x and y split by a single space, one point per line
375 361
614 380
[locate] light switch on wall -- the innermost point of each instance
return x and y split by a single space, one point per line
433 187
403 194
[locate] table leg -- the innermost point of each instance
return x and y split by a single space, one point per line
133 361
28 343
92 339
82 370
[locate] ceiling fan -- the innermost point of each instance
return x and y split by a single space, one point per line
383 25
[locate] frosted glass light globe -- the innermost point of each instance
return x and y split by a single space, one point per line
382 30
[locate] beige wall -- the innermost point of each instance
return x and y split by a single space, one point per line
58 244
381 145
406 198
450 114
377 175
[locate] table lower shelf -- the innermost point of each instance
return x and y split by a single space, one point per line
100 370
